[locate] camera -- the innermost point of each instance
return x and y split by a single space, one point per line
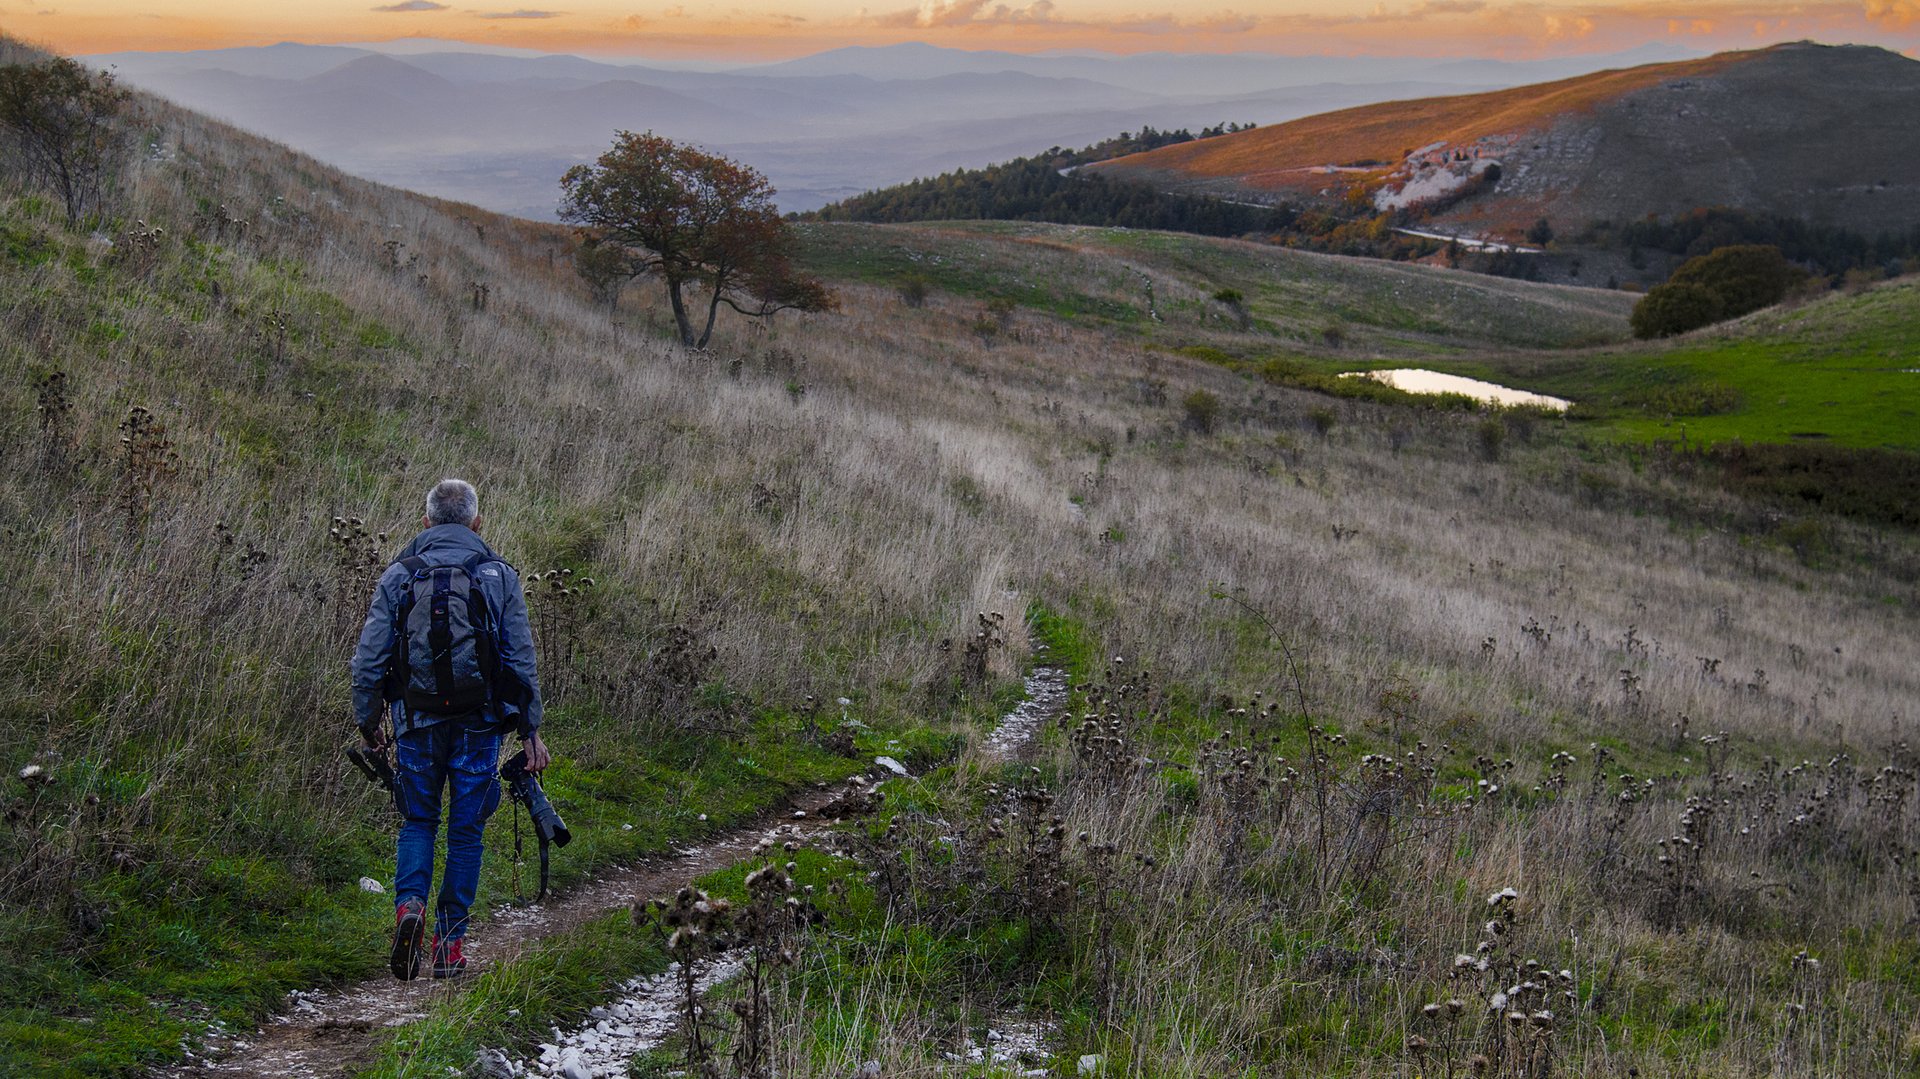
524 787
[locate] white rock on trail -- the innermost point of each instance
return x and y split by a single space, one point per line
891 765
494 1064
368 884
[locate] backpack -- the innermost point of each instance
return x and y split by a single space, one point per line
446 656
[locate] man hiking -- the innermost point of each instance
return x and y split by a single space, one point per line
447 649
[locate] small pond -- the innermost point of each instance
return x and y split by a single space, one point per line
1418 380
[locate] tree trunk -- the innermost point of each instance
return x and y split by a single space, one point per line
680 312
713 312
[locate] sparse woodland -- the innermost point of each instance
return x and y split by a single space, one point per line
1387 754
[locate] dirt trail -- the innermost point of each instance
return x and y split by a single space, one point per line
337 1032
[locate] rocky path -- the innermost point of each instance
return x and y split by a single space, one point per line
338 1032
645 1011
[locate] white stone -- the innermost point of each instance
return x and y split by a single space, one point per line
368 884
1090 1064
891 765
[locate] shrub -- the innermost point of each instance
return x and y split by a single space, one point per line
913 290
1323 420
1493 436
1675 307
60 120
1738 279
1203 411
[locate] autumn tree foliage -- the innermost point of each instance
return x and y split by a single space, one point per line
652 206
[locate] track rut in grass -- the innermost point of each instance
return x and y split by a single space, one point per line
645 1011
338 1032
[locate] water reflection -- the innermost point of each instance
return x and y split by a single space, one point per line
1418 380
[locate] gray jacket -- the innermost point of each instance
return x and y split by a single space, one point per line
516 698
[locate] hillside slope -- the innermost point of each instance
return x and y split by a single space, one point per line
1164 287
1814 131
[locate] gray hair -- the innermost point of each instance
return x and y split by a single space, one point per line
453 502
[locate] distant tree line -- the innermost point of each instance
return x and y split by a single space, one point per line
1051 187
1828 250
1127 142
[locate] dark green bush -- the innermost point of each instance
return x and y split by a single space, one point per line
1724 283
1676 308
1746 277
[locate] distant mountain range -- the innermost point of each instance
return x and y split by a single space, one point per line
1830 134
498 127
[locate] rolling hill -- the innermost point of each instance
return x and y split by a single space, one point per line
498 130
1820 132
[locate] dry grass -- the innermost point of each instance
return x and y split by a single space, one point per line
1270 157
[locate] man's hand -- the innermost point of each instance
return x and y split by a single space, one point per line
537 756
374 737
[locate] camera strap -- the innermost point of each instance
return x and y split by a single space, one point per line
516 848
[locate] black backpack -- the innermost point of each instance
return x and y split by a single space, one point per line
446 657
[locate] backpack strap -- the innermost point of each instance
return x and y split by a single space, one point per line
485 642
397 666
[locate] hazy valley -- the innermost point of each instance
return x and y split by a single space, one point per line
498 130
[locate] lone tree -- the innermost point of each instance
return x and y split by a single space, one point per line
59 118
693 218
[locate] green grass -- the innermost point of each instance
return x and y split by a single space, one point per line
1291 297
516 1004
1841 370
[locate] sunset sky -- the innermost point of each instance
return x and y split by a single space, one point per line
771 29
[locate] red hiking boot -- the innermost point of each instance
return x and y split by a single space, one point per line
409 935
449 961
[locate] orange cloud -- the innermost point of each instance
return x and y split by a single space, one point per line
772 29
1895 14
935 14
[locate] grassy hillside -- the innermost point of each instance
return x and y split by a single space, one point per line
1834 369
1164 287
1335 654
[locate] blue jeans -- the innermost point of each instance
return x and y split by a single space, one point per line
463 754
